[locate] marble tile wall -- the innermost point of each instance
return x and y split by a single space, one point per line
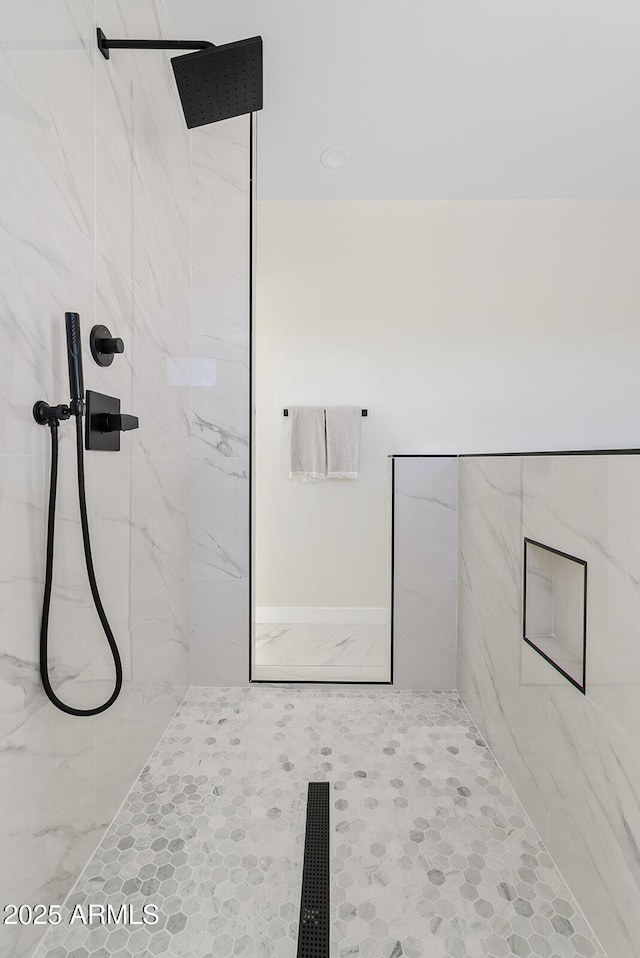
573 759
95 185
220 415
425 571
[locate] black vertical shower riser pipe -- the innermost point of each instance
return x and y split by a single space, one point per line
48 415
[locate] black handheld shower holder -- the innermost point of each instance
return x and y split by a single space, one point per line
44 414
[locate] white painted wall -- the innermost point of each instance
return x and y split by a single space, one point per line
461 325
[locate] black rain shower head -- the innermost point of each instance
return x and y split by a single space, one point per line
214 83
220 82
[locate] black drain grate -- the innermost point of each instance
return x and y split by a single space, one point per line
313 933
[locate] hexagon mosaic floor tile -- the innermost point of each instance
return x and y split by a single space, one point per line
432 855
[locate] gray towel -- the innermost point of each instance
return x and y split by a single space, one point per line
343 442
307 444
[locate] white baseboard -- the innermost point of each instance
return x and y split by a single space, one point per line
307 615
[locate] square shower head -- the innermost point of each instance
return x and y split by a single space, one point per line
220 82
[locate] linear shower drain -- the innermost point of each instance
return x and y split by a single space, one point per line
313 932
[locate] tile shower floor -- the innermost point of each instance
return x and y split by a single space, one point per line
431 852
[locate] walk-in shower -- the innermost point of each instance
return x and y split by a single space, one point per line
215 82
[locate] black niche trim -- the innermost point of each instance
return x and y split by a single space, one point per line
313 929
565 555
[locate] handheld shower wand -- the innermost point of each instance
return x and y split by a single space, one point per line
74 357
51 416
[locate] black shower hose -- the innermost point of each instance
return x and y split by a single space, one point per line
48 579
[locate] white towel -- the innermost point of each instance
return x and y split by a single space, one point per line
343 442
307 443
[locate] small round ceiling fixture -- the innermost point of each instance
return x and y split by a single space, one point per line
334 157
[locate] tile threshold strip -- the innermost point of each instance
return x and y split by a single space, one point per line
313 930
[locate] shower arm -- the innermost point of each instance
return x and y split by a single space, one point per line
104 44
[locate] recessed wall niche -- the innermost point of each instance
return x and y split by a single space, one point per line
555 609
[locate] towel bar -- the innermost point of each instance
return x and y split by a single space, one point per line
285 412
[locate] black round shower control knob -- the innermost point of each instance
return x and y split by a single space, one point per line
111 345
104 346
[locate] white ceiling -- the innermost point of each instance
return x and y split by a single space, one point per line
440 98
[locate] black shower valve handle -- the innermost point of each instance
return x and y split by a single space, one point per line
126 422
114 422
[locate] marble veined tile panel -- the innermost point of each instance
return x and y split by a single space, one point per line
159 532
425 635
47 268
220 538
490 532
219 631
425 505
47 103
221 165
316 644
511 712
588 506
594 816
